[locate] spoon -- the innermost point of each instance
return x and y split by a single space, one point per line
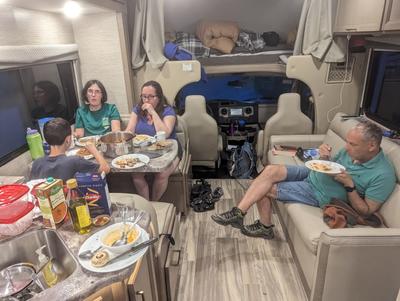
88 254
123 239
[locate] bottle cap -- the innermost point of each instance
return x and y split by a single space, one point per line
30 131
71 183
50 179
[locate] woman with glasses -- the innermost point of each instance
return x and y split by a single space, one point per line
96 117
149 116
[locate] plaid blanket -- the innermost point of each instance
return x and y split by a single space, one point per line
192 44
251 41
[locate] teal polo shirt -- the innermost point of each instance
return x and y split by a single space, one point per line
96 122
374 180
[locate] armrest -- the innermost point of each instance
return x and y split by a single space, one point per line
304 141
362 262
366 234
260 143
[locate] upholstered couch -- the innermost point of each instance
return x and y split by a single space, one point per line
360 263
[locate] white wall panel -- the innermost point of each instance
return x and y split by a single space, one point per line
101 55
26 27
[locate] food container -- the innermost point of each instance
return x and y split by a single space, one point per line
116 144
16 214
114 232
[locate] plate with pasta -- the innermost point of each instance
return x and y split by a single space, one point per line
142 140
81 152
327 167
130 161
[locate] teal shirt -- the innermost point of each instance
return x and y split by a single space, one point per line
96 122
374 180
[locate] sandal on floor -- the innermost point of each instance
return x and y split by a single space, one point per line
217 194
200 188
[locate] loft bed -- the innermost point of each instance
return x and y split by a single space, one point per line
266 62
266 59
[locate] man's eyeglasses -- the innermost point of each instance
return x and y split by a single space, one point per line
95 92
149 97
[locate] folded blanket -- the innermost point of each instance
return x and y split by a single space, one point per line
220 35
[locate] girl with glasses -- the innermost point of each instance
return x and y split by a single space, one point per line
96 117
149 116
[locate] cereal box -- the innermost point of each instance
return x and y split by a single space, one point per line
95 190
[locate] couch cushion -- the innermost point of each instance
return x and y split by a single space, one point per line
308 221
281 159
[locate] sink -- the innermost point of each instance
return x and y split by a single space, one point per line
22 249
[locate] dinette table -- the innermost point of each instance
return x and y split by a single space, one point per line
158 161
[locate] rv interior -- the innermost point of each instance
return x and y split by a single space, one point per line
257 74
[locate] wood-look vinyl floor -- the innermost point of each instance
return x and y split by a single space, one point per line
219 263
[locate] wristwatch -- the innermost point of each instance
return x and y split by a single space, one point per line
349 189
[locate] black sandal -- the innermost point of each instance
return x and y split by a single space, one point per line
200 188
217 194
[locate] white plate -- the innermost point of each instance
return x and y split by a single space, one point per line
123 262
74 152
80 141
142 158
331 167
145 140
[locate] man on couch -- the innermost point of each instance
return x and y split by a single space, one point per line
367 182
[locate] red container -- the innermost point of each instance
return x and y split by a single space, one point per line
16 213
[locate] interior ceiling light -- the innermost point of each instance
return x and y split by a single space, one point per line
72 9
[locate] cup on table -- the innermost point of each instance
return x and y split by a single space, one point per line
129 211
160 136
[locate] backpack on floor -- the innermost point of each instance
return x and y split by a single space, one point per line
243 162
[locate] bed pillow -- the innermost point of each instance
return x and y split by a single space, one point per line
220 35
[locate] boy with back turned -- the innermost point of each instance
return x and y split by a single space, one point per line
58 135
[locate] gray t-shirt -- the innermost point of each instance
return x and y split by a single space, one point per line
61 167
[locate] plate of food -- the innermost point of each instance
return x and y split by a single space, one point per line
327 167
82 152
85 140
160 145
94 242
142 140
130 161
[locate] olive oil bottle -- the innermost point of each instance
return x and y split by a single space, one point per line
78 208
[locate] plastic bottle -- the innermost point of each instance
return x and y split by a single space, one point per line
35 143
78 208
49 276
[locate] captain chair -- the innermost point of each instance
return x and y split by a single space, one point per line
203 132
286 121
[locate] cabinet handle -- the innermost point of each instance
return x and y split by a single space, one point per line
351 29
141 294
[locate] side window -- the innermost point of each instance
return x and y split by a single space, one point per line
31 93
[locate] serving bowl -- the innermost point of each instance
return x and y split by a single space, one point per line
114 232
116 144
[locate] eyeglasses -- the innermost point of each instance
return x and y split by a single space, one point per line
95 92
149 97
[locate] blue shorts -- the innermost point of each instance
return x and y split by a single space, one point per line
295 189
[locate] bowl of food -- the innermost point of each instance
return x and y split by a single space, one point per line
114 233
116 144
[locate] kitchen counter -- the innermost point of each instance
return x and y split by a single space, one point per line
82 283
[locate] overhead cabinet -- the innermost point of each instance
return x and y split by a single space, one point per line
391 18
359 15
